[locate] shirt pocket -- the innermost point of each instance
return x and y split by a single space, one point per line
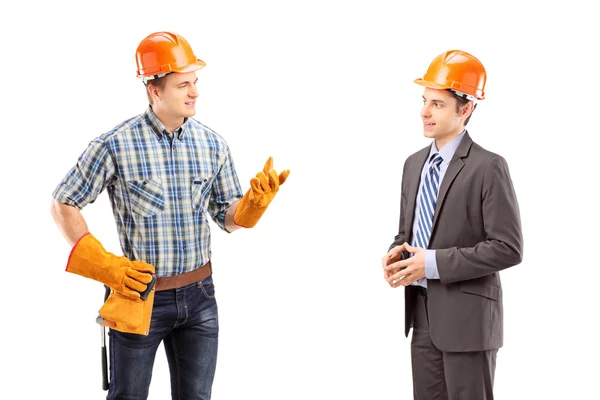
146 197
200 191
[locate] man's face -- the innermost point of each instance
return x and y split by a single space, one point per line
440 119
178 97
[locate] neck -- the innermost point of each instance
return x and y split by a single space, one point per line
169 122
442 141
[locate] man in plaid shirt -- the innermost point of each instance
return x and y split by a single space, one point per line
164 171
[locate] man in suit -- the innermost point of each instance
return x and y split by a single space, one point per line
459 226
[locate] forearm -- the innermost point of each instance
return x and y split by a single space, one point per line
230 226
69 220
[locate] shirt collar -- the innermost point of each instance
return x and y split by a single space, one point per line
159 129
449 149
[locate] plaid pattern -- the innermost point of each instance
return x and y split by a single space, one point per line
160 189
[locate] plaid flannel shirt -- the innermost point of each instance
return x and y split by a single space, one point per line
160 189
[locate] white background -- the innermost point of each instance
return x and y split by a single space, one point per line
326 88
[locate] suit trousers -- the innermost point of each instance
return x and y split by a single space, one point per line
440 375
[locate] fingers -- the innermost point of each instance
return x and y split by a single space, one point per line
387 274
264 181
268 171
283 176
398 273
400 278
386 260
143 277
133 288
268 166
255 184
411 249
393 255
273 180
133 294
268 181
397 266
142 267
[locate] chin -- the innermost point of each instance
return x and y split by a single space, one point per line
189 113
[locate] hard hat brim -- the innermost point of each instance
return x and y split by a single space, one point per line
192 67
429 84
168 69
435 85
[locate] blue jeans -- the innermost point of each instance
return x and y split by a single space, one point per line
187 320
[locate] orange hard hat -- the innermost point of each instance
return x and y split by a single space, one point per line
458 71
161 53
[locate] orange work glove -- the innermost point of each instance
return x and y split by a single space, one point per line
256 200
127 315
89 259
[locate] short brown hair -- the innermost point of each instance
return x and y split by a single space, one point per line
158 83
460 102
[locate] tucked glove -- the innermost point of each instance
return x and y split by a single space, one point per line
88 258
263 189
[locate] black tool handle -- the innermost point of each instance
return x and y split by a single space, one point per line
104 354
144 295
104 369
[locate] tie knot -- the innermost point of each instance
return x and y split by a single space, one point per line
435 159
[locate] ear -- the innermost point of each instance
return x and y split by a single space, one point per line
467 109
153 92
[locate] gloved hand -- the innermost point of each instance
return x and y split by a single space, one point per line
89 259
127 315
256 200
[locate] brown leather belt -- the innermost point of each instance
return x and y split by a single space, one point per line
181 280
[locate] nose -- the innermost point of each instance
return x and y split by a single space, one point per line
193 93
425 111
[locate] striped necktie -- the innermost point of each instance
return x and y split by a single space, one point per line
427 201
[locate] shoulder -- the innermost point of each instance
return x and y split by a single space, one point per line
205 134
416 157
123 129
485 157
492 166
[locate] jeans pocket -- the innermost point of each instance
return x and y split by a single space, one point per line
208 287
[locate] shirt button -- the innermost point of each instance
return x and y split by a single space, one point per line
179 197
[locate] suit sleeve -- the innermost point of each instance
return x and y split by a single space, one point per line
401 236
503 244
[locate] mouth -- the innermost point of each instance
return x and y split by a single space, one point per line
190 103
428 125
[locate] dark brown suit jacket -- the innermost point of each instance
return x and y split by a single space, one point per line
476 233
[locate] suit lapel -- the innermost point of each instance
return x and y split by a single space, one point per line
453 169
413 189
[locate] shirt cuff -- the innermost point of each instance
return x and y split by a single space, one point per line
431 269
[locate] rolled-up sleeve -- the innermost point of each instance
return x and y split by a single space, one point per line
83 184
225 191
